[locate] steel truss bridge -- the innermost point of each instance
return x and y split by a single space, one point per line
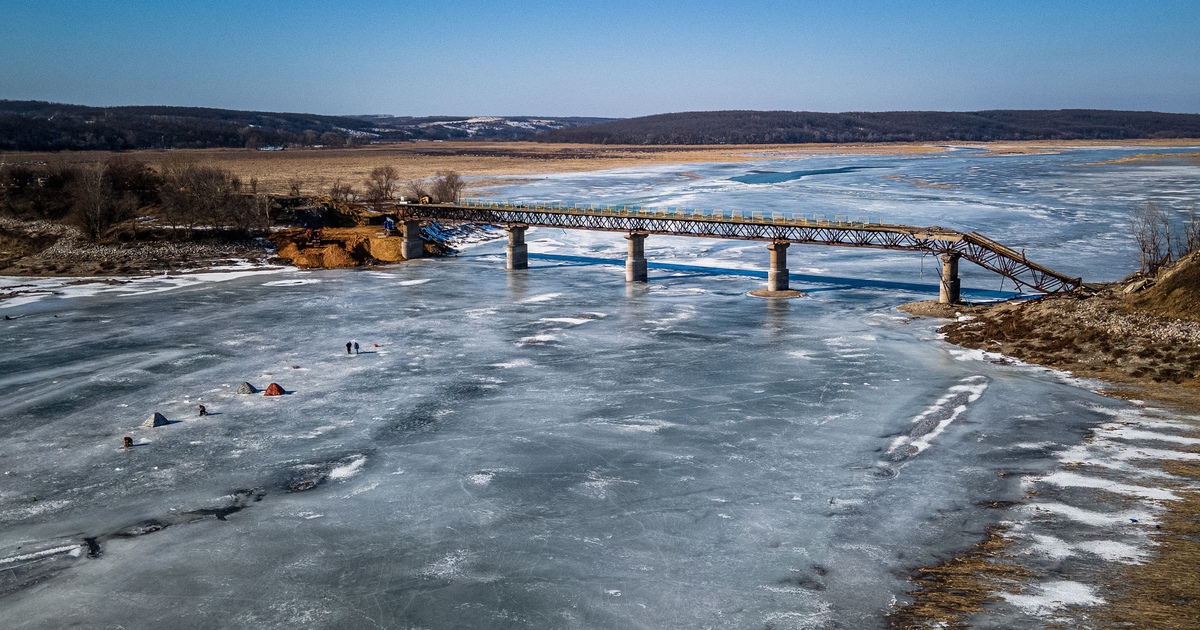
772 227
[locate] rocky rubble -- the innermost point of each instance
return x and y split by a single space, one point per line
70 254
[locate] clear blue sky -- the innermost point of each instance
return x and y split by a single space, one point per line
602 58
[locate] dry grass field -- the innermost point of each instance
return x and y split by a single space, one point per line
317 169
487 162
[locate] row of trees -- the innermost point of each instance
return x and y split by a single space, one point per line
181 194
383 184
97 197
94 196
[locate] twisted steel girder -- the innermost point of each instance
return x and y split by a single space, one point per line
972 246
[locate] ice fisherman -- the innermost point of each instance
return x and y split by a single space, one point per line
203 411
348 346
355 347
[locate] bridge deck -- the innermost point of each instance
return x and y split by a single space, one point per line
755 226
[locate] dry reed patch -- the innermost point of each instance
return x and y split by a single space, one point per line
952 590
1165 591
1147 157
1051 147
317 169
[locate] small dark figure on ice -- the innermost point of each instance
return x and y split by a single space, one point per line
203 411
348 346
355 347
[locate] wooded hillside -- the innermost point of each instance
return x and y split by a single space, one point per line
41 126
757 127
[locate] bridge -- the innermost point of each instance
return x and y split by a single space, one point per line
778 229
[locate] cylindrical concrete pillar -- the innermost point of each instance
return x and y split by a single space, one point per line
635 263
948 294
412 247
516 252
777 275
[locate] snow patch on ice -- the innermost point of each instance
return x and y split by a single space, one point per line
1126 433
1090 517
1054 596
1113 551
545 297
536 339
1052 547
349 470
515 363
367 488
641 425
73 550
409 283
1107 550
448 567
570 321
481 478
1065 479
294 282
933 421
71 287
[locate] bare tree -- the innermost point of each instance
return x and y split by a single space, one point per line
415 189
93 199
381 184
194 195
343 193
447 186
262 205
1151 228
96 202
1191 231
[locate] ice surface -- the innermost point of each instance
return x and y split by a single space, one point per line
554 448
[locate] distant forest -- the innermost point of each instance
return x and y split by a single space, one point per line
756 127
41 126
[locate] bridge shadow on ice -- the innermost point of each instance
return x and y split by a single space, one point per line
829 283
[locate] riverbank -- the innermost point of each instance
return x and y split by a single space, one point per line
1141 342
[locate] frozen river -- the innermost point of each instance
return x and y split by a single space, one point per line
552 448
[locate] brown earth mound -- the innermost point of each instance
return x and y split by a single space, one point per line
1177 292
339 247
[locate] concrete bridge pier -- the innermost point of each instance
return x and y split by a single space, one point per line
777 276
516 252
948 294
412 247
635 263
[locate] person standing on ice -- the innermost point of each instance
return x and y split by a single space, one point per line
355 347
348 344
